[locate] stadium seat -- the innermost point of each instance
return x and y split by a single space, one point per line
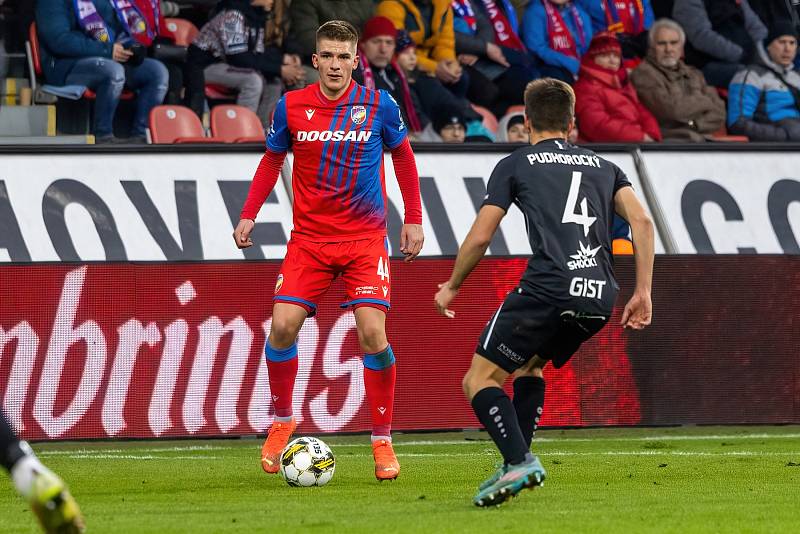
176 124
489 120
722 136
220 92
236 124
183 30
36 64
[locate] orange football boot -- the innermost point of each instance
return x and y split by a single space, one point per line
386 465
277 438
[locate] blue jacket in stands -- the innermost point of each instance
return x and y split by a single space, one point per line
63 41
536 38
760 105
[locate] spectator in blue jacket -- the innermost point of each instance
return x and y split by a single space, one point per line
93 45
764 98
558 32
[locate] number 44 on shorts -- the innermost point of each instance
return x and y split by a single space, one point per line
383 269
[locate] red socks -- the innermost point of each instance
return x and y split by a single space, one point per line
282 370
379 379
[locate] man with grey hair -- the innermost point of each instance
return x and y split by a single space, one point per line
686 107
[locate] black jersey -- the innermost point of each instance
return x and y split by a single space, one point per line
566 194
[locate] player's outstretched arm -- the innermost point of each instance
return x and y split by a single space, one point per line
472 250
639 310
405 169
263 182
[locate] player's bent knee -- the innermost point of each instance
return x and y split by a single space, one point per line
372 338
283 332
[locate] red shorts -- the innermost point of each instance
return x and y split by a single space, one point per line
309 268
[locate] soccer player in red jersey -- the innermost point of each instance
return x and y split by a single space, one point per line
337 130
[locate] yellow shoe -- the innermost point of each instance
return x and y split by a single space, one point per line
386 465
277 438
56 509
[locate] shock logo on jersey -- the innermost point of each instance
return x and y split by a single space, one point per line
584 259
279 283
337 135
358 114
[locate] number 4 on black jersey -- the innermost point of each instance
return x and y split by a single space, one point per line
566 195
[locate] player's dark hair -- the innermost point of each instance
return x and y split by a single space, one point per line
549 105
338 30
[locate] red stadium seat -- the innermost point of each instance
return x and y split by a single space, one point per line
176 124
183 30
236 124
36 61
220 92
722 135
489 120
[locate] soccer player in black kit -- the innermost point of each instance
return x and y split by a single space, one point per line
568 196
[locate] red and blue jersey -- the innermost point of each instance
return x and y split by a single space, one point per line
337 179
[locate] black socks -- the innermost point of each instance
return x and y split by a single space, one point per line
528 403
10 451
496 413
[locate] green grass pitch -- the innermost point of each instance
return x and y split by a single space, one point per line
693 479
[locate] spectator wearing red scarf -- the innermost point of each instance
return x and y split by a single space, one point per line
606 104
378 69
491 52
558 32
629 19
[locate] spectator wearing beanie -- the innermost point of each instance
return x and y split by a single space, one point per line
450 125
606 104
558 32
512 129
764 98
378 69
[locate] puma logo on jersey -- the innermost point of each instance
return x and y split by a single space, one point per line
309 113
338 135
584 259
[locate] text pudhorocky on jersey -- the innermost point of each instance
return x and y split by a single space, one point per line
335 135
564 159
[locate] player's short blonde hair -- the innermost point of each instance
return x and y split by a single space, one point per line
549 105
338 30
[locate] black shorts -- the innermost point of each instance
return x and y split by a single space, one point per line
524 327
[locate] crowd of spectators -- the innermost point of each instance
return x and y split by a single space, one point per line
457 68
